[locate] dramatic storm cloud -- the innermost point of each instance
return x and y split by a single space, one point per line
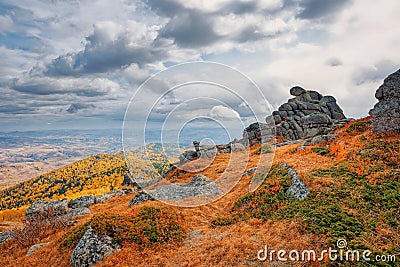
69 61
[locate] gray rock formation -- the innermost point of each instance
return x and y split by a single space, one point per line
92 249
188 156
140 197
103 198
386 113
200 185
36 247
79 212
305 115
209 151
319 139
46 208
4 236
258 133
298 189
138 181
82 202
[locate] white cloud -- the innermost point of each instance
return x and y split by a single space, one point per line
224 113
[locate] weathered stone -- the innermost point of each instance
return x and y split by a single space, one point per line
237 147
249 171
82 202
285 107
386 113
328 99
140 197
4 236
315 95
46 208
79 212
258 133
37 247
297 90
316 118
298 189
187 156
92 249
320 138
103 198
200 185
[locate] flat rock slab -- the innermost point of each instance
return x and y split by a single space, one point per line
200 185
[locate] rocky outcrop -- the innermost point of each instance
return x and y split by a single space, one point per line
47 208
92 249
36 247
4 236
82 202
298 189
209 151
136 180
386 113
258 133
187 156
79 212
200 185
305 115
140 197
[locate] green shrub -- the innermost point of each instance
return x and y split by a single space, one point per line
323 151
358 126
349 207
264 149
222 221
71 238
149 226
155 225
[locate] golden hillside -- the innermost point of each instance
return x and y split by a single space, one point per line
354 184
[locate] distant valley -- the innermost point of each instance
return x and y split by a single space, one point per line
24 155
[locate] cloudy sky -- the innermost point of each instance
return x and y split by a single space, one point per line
76 64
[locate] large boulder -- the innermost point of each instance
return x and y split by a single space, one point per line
259 133
200 185
307 114
82 202
92 249
47 208
386 113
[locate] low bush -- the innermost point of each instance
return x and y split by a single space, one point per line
148 226
323 151
264 149
39 227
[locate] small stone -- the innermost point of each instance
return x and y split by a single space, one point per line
296 91
36 247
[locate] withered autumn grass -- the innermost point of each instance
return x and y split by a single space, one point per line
354 194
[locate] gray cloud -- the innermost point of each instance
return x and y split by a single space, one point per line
374 73
334 62
165 8
190 29
238 7
75 107
48 86
100 56
317 9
